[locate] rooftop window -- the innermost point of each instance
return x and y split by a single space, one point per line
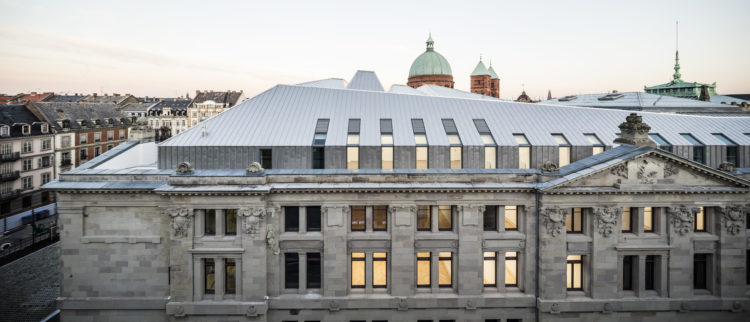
661 142
568 98
690 138
524 151
420 139
563 152
490 147
724 139
560 139
593 139
699 151
610 97
487 139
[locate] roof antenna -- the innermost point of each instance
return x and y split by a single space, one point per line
203 132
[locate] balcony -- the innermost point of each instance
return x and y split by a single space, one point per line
10 176
9 157
10 194
65 162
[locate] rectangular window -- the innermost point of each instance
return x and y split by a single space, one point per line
698 147
318 161
230 221
423 269
524 151
445 262
352 157
46 177
313 218
660 142
490 218
230 276
97 151
122 134
490 265
574 221
422 157
747 267
511 269
352 142
321 130
380 218
266 158
291 218
386 161
445 218
28 146
731 155
650 272
209 276
291 270
490 157
575 272
700 271
27 165
648 219
424 218
97 136
83 138
511 218
598 146
420 140
358 218
699 224
110 135
386 141
379 270
563 149
455 155
627 220
27 183
627 272
46 144
209 222
358 270
313 270
82 154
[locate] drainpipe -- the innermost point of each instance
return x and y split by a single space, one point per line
538 247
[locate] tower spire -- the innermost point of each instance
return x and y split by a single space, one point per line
430 43
676 77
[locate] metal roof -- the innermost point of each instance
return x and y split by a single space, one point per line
635 100
286 115
365 80
326 83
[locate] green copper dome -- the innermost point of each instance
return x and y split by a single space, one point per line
430 63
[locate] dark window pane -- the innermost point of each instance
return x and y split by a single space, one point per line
699 271
318 158
266 159
698 154
230 274
747 267
291 276
650 271
627 273
210 222
358 218
209 276
423 218
291 218
313 218
490 218
230 221
313 270
732 155
380 218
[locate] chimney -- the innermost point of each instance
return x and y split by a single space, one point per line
94 94
635 132
704 94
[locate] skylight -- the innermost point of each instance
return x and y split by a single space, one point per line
724 139
610 97
568 98
690 138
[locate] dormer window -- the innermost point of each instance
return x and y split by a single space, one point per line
110 122
4 130
26 129
598 146
66 124
45 128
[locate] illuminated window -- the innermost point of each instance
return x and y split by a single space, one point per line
574 272
511 269
511 218
420 140
490 147
358 270
490 265
490 157
423 269
209 276
422 157
445 218
379 270
700 221
230 276
386 139
563 150
209 222
424 218
574 221
358 218
445 261
230 222
380 218
352 157
598 146
648 219
386 154
524 151
455 155
627 221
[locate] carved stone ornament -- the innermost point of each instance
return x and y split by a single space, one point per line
607 308
271 241
179 311
334 306
620 170
727 167
252 219
185 168
634 132
470 305
403 305
181 220
606 219
254 168
670 169
555 308
251 311
647 172
682 218
733 218
550 166
554 220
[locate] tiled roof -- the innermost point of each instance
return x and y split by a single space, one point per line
174 104
65 98
81 111
231 98
16 116
137 107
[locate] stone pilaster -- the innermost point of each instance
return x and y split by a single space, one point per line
730 227
403 258
603 254
253 233
680 221
180 261
469 250
335 275
553 252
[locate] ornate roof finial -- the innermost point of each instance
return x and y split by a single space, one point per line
430 43
677 76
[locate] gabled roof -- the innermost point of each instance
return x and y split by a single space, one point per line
117 99
54 112
16 116
365 80
137 107
231 98
173 104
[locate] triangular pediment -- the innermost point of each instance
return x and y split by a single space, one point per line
653 169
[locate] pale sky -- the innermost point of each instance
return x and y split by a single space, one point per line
162 48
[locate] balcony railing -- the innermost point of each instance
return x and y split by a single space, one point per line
10 176
10 194
65 162
12 156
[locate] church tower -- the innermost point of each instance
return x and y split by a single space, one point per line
481 79
430 68
494 82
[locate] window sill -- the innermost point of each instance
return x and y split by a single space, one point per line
504 235
577 294
704 293
435 235
705 236
578 238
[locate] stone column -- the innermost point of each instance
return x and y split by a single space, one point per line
603 253
335 278
218 278
469 257
730 226
403 258
259 249
180 259
553 254
681 253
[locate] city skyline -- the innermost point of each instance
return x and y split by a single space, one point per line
168 49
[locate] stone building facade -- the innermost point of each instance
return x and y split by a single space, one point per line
632 232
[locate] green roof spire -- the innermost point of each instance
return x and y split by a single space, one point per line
491 70
480 69
677 74
430 43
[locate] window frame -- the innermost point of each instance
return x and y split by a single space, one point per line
206 273
309 215
266 158
628 264
573 217
523 145
429 218
230 262
494 215
701 281
650 272
449 259
493 260
310 262
428 259
364 218
629 211
649 220
703 220
513 258
570 271
227 214
451 213
385 213
506 208
287 215
289 258
379 259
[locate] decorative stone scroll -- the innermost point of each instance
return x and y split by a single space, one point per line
550 166
252 219
181 219
620 170
733 218
185 168
254 167
271 241
682 218
554 220
606 219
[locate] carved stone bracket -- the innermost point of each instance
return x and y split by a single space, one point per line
554 220
181 220
185 168
271 241
606 219
252 219
682 218
620 170
733 218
